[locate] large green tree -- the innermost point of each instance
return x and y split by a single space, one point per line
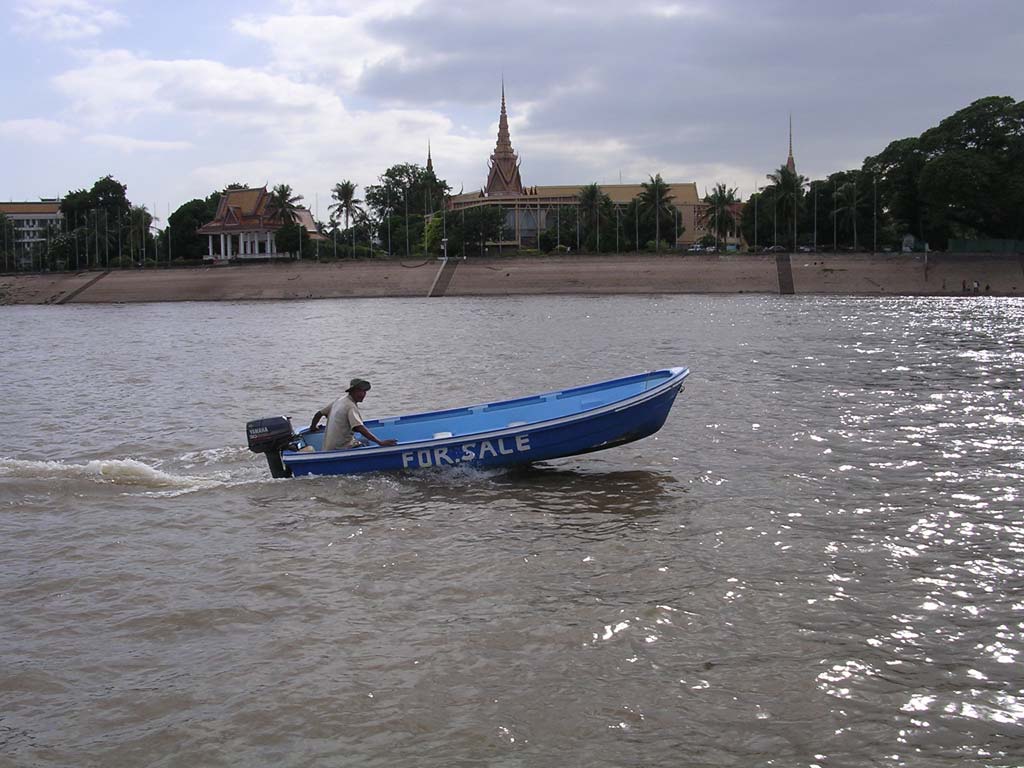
406 186
963 178
97 219
292 238
468 231
182 225
563 229
399 203
897 171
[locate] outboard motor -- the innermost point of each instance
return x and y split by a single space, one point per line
270 437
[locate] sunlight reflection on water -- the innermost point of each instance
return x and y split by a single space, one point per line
817 559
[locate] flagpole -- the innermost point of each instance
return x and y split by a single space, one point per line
169 235
835 241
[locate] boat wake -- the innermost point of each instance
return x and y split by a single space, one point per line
120 472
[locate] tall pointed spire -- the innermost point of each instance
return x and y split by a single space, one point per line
790 162
503 176
430 163
504 140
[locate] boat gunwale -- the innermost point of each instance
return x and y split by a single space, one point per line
676 377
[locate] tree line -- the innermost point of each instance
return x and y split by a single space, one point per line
963 178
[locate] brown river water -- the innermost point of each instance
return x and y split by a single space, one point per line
819 561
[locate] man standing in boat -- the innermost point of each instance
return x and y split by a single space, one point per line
344 419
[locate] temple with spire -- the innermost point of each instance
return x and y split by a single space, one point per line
528 211
503 168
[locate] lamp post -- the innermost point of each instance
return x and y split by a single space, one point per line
636 222
835 240
874 214
775 216
618 224
657 219
755 216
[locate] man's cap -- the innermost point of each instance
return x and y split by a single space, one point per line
362 384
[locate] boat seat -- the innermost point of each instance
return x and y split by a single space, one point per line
439 435
517 423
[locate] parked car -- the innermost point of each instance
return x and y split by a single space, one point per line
776 249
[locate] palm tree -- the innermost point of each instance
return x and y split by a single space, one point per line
139 222
656 203
593 205
851 200
789 189
344 193
283 202
717 214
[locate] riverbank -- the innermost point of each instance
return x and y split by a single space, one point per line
811 273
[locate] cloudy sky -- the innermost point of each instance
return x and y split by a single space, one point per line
178 99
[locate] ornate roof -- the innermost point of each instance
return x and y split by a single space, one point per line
41 208
249 210
680 193
503 167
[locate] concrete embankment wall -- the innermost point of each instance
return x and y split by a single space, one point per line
850 274
915 274
615 275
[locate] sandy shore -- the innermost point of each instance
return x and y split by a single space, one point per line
851 274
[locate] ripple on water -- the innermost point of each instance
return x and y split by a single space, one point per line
817 560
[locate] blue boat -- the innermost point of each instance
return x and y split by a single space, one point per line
567 422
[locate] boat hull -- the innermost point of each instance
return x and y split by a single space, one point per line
605 427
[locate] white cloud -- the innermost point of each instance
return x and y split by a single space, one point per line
130 144
675 10
35 130
65 19
244 124
340 45
115 86
309 92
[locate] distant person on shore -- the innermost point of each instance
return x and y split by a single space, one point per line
976 286
964 284
344 420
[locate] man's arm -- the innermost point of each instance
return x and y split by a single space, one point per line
362 430
316 418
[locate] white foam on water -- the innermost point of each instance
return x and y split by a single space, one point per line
215 455
126 472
